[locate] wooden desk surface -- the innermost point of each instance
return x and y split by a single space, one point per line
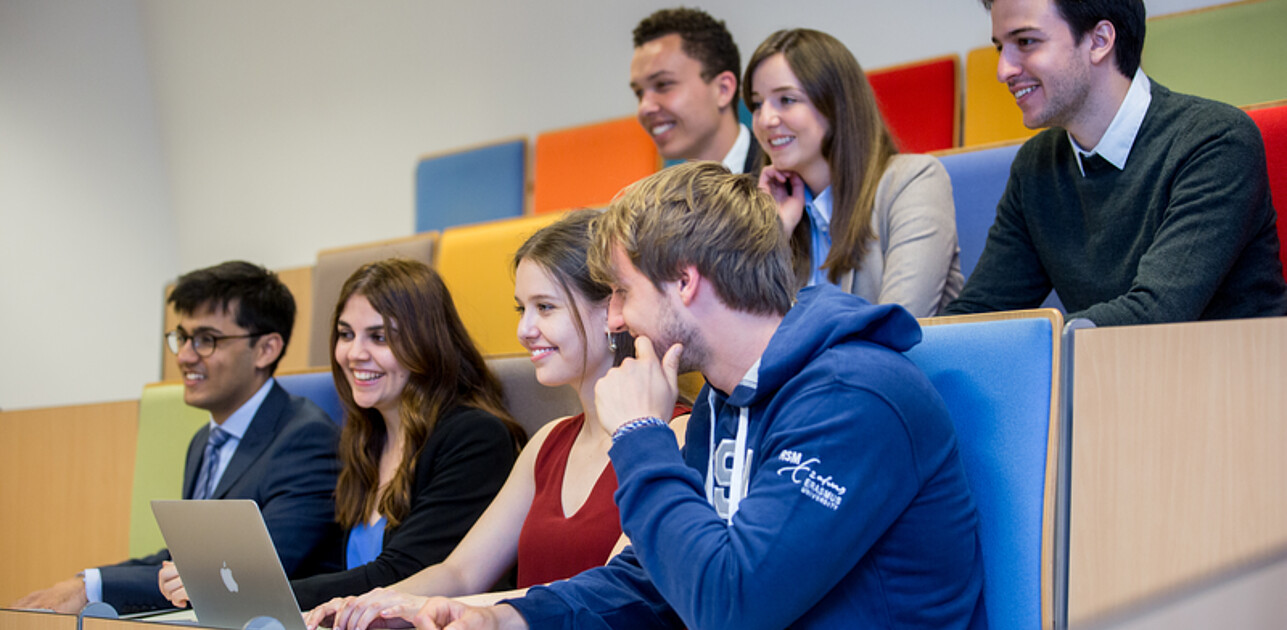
1179 458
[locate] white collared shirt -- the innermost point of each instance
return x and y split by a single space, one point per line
736 157
235 425
1116 144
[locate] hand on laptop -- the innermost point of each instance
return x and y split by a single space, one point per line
364 611
387 608
172 585
441 613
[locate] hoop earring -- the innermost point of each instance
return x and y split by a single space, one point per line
612 341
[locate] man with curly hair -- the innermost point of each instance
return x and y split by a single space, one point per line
684 74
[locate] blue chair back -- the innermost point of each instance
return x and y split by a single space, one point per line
317 386
978 181
471 185
1000 381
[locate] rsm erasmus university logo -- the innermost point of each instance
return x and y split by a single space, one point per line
803 472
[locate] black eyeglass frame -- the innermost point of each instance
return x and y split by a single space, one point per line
176 339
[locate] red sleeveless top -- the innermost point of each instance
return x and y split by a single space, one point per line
554 547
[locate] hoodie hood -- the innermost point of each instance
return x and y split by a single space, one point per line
822 317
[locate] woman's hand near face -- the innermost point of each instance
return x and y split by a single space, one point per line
787 190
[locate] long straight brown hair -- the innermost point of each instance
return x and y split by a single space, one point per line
446 369
857 146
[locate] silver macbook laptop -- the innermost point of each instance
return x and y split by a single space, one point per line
228 563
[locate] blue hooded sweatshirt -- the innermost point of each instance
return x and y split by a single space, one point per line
835 497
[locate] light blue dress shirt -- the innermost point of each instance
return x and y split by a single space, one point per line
819 211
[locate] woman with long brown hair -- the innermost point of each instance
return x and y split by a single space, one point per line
426 442
879 224
555 516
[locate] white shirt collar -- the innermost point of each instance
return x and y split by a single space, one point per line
1116 144
819 207
237 423
736 157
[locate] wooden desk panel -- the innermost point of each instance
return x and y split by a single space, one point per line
132 624
24 620
65 500
1179 457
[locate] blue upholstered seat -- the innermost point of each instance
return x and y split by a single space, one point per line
317 386
978 181
999 380
471 185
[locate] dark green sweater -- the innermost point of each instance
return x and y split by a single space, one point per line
1185 232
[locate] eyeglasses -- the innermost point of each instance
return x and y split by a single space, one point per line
202 343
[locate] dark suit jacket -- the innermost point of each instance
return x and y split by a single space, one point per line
286 462
462 465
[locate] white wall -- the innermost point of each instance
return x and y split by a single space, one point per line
86 232
288 126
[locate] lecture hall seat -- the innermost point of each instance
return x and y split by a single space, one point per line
333 268
585 166
999 375
475 262
317 385
1272 120
166 426
1231 53
978 181
533 405
991 114
920 102
470 185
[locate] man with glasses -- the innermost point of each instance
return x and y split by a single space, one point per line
261 443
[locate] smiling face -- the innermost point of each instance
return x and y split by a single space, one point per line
680 110
547 327
639 307
222 382
364 355
788 126
1042 64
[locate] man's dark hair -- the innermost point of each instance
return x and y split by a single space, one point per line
705 38
1127 17
263 304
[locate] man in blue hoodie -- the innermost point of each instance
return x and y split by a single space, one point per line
821 486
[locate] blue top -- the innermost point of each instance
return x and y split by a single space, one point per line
365 542
825 491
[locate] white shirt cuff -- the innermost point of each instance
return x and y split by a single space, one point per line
93 585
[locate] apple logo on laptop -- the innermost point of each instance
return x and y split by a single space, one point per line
228 582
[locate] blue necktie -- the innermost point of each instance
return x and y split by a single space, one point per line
206 480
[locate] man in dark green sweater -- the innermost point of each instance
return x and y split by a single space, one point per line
1139 205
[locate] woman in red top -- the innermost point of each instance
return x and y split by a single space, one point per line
555 516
